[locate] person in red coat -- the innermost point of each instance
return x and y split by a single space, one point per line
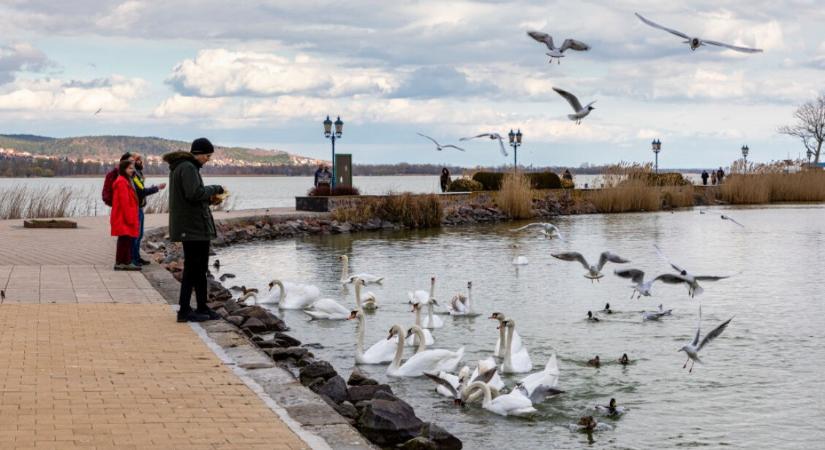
124 217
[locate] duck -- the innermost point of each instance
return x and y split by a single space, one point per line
461 306
515 361
381 352
327 309
291 295
540 385
595 362
607 309
516 343
346 278
591 317
514 403
430 360
610 410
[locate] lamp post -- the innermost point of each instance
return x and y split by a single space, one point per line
657 147
332 136
515 142
745 151
810 154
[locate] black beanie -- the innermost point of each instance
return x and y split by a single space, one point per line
202 146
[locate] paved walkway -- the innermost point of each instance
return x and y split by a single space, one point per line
92 358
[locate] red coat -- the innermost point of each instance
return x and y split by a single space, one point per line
124 216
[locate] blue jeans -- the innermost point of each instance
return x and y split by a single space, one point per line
136 242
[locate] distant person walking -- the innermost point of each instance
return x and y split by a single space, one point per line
124 216
720 175
318 174
445 179
191 222
705 177
143 191
713 177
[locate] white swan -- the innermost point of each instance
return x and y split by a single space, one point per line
502 340
540 385
456 386
327 309
379 353
291 295
412 341
346 278
431 360
463 306
487 365
423 297
456 381
515 361
247 296
512 404
370 302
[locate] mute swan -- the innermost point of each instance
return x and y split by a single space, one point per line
463 306
412 341
431 360
502 340
327 309
512 404
247 296
538 386
520 261
347 279
594 272
379 353
484 366
420 297
291 295
515 361
370 302
455 386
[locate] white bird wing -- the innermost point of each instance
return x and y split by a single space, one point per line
695 341
475 137
442 382
733 47
663 256
574 102
574 45
572 256
671 278
501 144
714 334
434 141
610 257
656 25
636 275
452 146
542 37
709 278
531 225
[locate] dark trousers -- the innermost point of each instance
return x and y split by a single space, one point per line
124 250
195 266
136 242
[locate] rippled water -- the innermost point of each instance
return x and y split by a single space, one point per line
761 384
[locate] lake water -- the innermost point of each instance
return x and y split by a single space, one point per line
254 192
761 384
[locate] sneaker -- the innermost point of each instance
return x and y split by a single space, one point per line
209 312
121 266
192 316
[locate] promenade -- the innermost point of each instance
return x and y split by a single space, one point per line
92 358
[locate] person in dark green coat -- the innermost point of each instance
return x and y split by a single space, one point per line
190 222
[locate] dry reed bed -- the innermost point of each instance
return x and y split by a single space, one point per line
23 202
806 186
413 211
516 197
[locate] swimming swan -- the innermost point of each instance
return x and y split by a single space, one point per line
431 360
512 404
291 295
347 279
327 309
515 361
412 341
379 353
463 306
502 340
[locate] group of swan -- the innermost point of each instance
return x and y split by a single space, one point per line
430 360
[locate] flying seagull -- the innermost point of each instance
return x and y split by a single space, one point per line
696 42
695 346
438 146
98 111
492 137
593 272
692 281
579 111
557 53
547 229
640 286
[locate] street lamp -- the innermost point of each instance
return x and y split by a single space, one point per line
515 142
657 147
332 136
745 151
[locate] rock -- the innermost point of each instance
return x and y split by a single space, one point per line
285 340
342 227
280 354
357 378
442 438
268 321
346 409
231 306
223 313
388 423
254 325
419 443
318 369
235 320
367 392
335 389
386 395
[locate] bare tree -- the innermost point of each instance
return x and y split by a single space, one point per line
809 126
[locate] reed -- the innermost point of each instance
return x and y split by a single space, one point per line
768 187
158 203
628 196
516 197
410 210
22 202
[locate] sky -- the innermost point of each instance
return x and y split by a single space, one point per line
265 73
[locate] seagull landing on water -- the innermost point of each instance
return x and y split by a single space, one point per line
548 230
579 111
593 272
695 346
492 137
696 42
438 146
640 286
692 281
557 53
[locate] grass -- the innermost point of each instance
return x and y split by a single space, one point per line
413 211
515 198
23 202
757 188
629 196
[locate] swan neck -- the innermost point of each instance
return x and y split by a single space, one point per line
344 268
422 340
469 299
359 346
430 311
508 360
281 293
358 296
502 339
399 347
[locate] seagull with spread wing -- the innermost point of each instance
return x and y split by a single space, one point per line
594 272
696 42
492 137
692 349
579 111
640 286
438 146
692 281
557 53
546 229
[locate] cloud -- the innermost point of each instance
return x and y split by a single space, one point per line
20 56
440 81
179 106
52 95
122 17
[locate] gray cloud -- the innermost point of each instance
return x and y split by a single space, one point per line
440 81
19 56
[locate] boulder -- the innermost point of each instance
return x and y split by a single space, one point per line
285 340
347 410
235 320
280 354
386 395
419 443
442 438
335 389
357 378
317 369
388 423
231 305
367 392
